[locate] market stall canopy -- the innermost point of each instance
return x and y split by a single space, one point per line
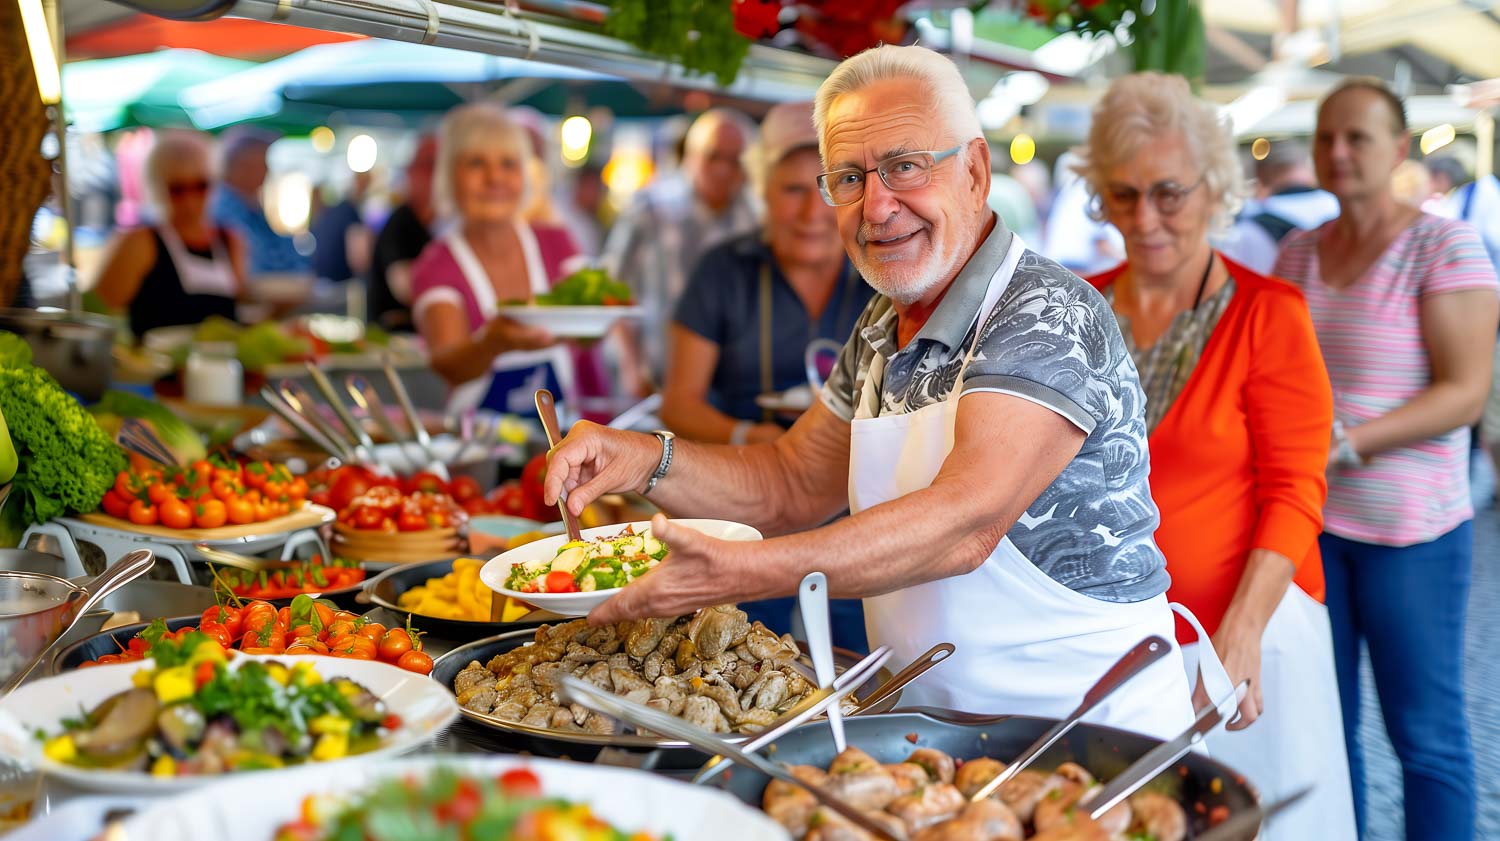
138 90
98 30
410 81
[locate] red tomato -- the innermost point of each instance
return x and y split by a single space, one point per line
142 513
425 481
116 505
510 500
561 582
160 492
348 483
209 514
125 485
411 521
464 488
203 673
521 782
218 633
393 644
416 661
371 631
368 518
462 806
175 514
239 510
234 621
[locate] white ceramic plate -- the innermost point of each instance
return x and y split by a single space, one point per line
426 709
247 810
795 399
494 573
571 322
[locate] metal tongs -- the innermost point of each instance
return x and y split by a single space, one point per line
575 691
365 397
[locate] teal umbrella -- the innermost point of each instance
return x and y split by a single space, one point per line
138 90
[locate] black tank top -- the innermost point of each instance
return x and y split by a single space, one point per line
161 301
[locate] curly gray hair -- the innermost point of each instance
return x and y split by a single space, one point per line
1143 106
471 126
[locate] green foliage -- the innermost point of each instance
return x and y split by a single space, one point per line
698 34
66 462
14 352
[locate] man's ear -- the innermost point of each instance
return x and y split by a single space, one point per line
977 161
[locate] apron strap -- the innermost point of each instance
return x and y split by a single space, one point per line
1216 680
765 337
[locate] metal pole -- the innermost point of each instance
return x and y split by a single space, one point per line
60 129
1484 137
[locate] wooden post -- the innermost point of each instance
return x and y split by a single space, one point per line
26 175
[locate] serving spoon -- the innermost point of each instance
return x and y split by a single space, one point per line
546 408
812 601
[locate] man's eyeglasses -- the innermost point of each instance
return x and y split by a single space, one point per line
910 171
1167 197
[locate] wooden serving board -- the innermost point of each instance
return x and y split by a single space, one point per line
395 553
386 537
310 517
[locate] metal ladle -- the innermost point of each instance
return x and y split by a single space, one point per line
573 690
88 596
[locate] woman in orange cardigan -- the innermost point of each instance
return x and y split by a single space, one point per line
1239 413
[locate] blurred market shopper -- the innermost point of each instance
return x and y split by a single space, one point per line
658 240
237 204
1286 199
1405 307
180 269
984 424
1239 410
488 258
751 309
341 240
403 236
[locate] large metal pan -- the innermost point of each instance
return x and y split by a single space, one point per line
1209 791
385 589
650 752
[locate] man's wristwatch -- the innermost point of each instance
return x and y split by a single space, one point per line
665 464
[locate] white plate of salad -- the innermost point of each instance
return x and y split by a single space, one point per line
570 578
191 717
454 796
582 305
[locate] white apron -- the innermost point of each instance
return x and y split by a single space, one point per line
1299 740
200 275
470 394
1025 644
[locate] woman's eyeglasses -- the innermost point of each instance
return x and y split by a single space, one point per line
180 189
1167 197
910 171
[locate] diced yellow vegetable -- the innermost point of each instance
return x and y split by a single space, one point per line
141 679
208 650
331 746
303 674
164 766
278 673
174 684
329 723
60 748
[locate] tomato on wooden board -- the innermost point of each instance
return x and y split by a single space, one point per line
142 513
175 514
115 505
209 513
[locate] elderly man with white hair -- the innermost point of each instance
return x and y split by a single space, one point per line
984 426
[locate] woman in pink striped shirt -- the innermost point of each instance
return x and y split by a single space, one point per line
1405 308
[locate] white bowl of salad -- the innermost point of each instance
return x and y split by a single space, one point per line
570 578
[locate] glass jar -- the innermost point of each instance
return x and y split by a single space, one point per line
213 375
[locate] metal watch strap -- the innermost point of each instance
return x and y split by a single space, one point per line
665 464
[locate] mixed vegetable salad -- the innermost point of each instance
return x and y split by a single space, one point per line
583 566
452 805
191 713
585 288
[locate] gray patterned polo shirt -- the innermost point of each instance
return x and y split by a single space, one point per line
1052 340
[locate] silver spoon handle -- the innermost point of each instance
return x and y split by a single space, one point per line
326 389
1163 756
915 669
313 432
852 677
1146 652
573 690
365 398
812 601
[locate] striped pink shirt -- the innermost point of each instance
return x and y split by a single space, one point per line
1370 333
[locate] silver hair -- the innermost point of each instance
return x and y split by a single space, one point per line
172 145
701 132
471 126
1141 108
943 85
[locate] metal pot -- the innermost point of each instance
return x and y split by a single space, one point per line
1208 791
76 348
34 612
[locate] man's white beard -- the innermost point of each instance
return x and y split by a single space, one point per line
909 287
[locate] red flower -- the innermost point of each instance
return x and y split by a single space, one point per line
1090 4
757 18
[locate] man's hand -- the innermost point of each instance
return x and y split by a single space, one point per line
699 571
1238 647
594 460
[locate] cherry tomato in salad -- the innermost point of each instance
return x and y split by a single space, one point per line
561 582
521 782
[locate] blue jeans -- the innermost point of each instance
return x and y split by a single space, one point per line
846 619
1407 604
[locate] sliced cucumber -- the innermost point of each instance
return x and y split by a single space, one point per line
654 547
568 559
631 545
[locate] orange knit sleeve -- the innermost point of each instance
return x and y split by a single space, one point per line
1289 406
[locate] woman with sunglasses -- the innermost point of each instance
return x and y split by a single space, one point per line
1238 409
182 269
